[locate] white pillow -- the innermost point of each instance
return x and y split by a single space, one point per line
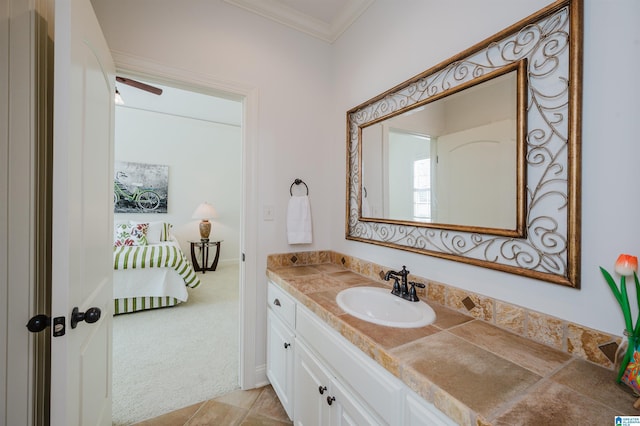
157 231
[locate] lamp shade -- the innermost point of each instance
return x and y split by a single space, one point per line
205 211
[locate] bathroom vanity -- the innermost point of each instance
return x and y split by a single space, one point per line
322 379
329 367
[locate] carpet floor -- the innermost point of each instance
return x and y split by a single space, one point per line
165 359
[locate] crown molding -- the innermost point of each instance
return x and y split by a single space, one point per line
293 18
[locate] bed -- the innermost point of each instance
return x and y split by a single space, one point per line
150 269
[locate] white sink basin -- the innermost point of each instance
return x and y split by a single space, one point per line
379 306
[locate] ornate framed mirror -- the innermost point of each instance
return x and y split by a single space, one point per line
477 159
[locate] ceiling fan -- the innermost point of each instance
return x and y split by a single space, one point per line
139 85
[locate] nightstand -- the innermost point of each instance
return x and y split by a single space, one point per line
200 260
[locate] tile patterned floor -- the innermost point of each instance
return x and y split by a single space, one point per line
255 407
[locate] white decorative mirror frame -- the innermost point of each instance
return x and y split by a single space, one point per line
550 41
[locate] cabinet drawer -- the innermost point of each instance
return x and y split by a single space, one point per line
281 304
369 380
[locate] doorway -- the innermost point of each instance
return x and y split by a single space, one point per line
199 136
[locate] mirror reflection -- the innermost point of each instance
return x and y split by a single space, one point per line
453 161
545 50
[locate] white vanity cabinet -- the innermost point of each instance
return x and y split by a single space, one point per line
323 379
363 389
280 345
320 397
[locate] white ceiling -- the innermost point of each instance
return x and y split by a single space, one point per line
323 19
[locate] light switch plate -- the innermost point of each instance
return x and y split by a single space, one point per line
267 212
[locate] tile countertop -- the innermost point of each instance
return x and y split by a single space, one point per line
474 372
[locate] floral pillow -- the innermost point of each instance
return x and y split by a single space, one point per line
157 232
130 235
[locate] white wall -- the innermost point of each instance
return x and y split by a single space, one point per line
204 160
369 61
305 87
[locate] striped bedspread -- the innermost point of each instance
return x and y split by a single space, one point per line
156 256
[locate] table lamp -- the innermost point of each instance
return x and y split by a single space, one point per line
205 211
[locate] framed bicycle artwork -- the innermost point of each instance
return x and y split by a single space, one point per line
140 187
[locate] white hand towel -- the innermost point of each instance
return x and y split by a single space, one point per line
299 220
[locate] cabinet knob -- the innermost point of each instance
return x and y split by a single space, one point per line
321 389
330 399
276 302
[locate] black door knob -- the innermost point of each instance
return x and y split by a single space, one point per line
38 323
92 315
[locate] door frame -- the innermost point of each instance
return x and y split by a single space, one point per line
26 68
136 67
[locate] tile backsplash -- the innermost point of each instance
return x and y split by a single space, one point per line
586 343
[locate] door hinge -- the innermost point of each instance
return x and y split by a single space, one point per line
243 257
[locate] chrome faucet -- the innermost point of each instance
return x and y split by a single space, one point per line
402 289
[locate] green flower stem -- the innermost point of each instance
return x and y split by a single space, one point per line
623 300
612 286
629 326
626 310
636 330
633 338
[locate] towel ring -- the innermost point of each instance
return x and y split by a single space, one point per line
298 182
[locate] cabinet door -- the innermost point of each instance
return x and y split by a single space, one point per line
346 410
280 341
312 386
321 399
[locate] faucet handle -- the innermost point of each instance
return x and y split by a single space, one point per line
413 296
396 287
419 285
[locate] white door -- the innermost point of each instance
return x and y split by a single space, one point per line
82 240
488 153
